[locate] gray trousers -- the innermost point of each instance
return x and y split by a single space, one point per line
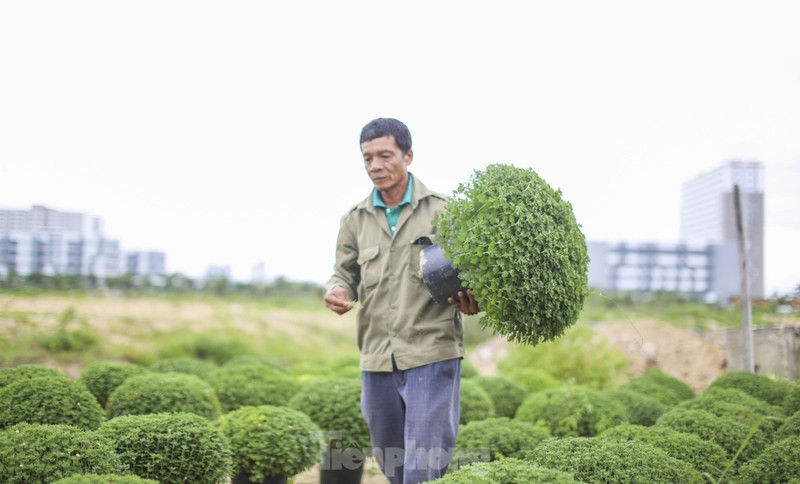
413 419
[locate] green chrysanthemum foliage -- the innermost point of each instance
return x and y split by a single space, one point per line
344 366
103 377
516 243
506 394
665 388
104 479
705 456
723 431
252 385
572 411
594 460
759 386
49 400
475 403
254 360
170 447
780 462
533 379
26 372
641 408
468 370
789 428
271 441
32 453
739 406
567 360
185 364
335 406
506 471
495 438
163 393
791 403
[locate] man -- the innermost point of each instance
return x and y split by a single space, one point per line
411 347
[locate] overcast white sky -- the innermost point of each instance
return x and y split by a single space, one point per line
226 133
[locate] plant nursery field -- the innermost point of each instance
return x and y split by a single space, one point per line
623 396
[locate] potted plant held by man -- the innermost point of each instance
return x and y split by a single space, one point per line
513 240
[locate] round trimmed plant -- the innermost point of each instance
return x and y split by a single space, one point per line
475 403
791 403
185 364
252 385
723 431
642 409
26 372
572 411
739 406
253 360
790 427
269 441
170 447
495 438
103 377
609 460
335 406
104 479
162 393
49 400
517 245
704 455
665 388
533 379
780 462
505 471
506 394
42 453
759 386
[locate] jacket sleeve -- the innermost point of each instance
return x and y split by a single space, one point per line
346 271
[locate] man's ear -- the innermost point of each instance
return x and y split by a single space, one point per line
409 157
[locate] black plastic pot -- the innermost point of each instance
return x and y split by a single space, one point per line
244 478
438 273
341 476
340 467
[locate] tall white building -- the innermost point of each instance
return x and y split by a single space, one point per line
708 217
49 242
704 263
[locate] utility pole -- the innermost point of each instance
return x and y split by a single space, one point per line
744 279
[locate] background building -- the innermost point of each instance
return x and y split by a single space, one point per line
708 216
49 242
45 241
145 263
704 263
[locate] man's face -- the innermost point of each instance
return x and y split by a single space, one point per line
385 162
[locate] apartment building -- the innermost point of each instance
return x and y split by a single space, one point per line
704 262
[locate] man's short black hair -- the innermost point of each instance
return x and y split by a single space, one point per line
380 127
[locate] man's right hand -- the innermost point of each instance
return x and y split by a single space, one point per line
337 301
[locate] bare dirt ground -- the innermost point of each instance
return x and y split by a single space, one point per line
683 353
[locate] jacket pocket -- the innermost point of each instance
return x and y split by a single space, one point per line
368 261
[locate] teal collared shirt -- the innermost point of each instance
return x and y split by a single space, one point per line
393 213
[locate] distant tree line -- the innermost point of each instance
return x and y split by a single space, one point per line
175 283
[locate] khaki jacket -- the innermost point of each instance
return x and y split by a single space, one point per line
397 314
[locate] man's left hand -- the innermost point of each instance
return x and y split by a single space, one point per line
465 303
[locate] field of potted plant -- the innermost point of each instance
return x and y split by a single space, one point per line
742 428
